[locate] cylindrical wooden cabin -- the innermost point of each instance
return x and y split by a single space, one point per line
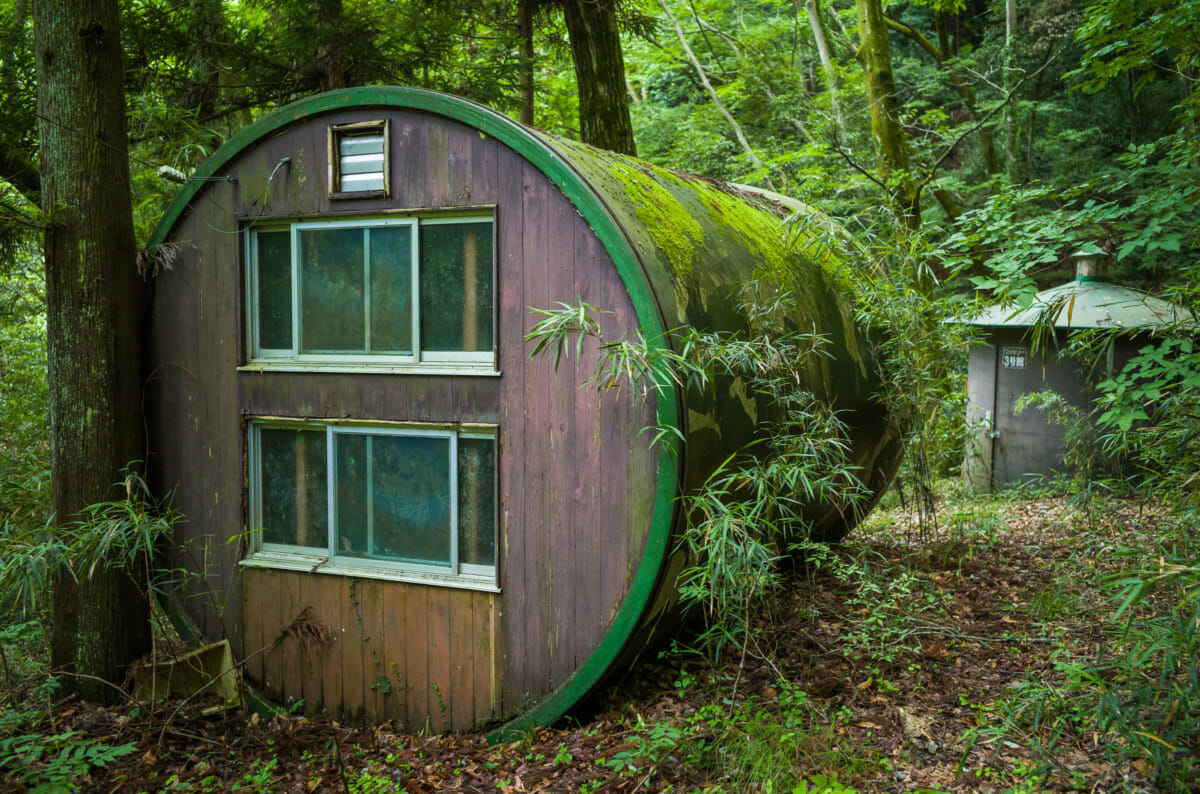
393 512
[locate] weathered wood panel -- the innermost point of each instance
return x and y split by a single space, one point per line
395 641
253 592
511 311
372 645
437 648
191 407
414 398
294 599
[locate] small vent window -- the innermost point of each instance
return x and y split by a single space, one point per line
358 159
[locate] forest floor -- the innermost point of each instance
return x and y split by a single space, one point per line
890 667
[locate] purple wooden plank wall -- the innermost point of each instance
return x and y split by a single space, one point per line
576 481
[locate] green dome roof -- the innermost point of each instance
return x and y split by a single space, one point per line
1088 302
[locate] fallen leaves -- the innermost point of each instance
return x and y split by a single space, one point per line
927 712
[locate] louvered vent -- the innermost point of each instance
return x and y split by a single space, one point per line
359 158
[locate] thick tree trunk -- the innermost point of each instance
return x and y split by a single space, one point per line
206 21
600 73
525 65
890 142
332 54
93 313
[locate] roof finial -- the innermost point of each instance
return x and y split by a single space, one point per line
1088 265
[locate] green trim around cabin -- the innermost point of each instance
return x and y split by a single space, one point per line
588 202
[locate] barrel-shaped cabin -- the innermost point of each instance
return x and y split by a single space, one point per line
392 510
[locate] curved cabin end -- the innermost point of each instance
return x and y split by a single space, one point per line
394 513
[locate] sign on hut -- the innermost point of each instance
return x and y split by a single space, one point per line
393 511
1006 446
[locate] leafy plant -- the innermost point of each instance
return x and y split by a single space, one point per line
1139 698
783 744
121 534
47 762
760 503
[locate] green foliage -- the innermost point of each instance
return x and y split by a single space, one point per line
756 506
1148 414
1139 38
922 362
1139 698
751 512
786 743
37 759
24 441
883 626
121 534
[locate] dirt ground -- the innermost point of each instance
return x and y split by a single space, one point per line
913 678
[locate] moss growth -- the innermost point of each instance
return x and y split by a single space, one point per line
711 238
672 227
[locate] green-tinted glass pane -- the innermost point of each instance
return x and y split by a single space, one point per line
351 452
332 311
411 498
274 261
477 501
295 506
456 287
391 289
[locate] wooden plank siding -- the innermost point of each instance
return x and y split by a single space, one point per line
575 481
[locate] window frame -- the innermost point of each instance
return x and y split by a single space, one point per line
261 554
419 360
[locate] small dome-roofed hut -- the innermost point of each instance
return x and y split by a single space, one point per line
1005 447
393 512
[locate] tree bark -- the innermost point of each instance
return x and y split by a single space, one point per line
891 144
93 317
600 74
813 10
206 21
525 65
1010 64
332 54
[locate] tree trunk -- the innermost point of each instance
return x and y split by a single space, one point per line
600 74
93 316
1010 64
813 10
332 54
525 64
206 21
891 146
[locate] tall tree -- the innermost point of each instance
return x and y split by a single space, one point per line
93 313
813 9
604 119
890 142
525 12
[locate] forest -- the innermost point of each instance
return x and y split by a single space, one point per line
955 155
